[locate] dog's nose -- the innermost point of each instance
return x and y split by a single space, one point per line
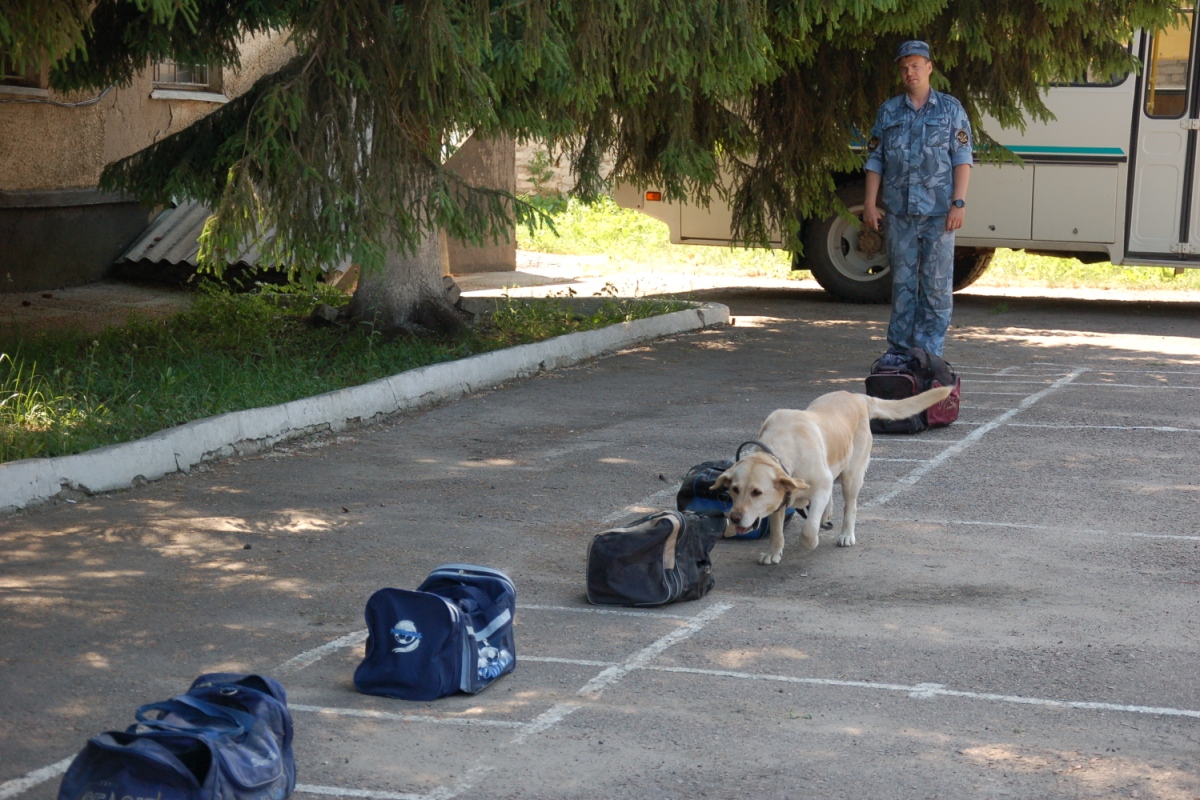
735 517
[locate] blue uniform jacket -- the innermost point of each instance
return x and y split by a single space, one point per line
916 151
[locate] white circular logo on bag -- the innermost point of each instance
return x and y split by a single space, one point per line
406 635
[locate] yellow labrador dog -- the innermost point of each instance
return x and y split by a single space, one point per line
803 453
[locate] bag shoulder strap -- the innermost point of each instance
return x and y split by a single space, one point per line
477 602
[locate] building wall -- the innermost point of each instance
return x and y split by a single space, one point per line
491 163
560 181
47 146
51 156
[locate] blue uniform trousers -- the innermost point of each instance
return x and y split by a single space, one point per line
921 253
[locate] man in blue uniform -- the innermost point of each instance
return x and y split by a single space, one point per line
918 165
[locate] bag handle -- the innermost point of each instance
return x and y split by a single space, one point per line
184 705
262 684
920 356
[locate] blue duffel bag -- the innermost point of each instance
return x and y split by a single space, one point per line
228 738
452 634
697 496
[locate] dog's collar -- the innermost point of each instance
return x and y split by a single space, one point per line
737 456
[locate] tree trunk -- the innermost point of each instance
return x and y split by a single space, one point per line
407 294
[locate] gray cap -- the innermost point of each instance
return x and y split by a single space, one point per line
913 47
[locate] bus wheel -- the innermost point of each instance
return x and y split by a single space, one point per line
970 263
849 261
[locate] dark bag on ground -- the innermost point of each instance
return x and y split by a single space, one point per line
453 634
658 559
920 372
228 738
697 495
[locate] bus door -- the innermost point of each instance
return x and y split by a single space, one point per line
1164 210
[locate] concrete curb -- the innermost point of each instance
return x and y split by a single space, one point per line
120 466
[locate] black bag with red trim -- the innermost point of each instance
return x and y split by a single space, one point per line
919 372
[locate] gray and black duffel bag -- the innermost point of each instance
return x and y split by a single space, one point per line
658 559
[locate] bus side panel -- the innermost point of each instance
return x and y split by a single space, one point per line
1074 203
628 196
999 202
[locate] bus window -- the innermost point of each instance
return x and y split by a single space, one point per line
1094 77
1169 67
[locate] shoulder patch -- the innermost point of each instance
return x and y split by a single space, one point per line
873 144
963 138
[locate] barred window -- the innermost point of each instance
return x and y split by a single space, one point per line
195 77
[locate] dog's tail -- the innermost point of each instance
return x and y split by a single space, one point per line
899 409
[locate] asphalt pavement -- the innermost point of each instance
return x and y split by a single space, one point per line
1019 618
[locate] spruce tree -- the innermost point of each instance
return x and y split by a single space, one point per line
341 152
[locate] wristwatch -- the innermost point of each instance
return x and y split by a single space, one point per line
958 203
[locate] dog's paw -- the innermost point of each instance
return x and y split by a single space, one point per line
827 525
769 558
846 540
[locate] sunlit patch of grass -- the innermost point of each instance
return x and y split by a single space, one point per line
518 322
36 415
1012 268
633 241
66 392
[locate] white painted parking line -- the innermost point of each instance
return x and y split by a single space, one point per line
929 690
641 662
578 662
1147 386
1009 381
1046 528
572 610
310 657
1054 425
473 777
546 720
614 672
28 781
337 791
393 717
468 782
917 460
1159 428
962 444
999 394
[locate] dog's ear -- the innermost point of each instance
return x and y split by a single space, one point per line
787 484
722 481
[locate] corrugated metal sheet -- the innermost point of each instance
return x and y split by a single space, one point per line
174 238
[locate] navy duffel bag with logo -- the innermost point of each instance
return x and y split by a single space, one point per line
454 633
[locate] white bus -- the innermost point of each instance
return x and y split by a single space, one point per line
1113 178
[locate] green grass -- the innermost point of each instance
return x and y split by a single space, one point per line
67 392
1016 268
633 241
